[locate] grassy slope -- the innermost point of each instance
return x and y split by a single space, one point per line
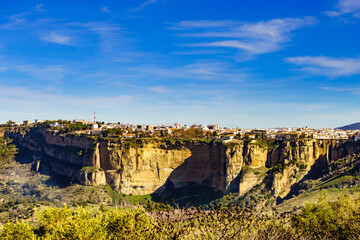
344 182
312 196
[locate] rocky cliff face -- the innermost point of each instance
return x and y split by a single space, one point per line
147 166
143 166
65 155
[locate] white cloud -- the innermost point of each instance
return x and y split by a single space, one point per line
254 38
99 27
254 48
56 37
203 71
51 73
105 9
15 21
346 7
332 67
39 8
351 90
110 34
199 52
159 89
204 24
143 5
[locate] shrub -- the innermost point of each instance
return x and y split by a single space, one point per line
322 220
18 230
339 219
90 169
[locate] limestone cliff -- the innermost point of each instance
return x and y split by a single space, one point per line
249 178
143 166
146 166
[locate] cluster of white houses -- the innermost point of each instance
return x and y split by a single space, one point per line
228 133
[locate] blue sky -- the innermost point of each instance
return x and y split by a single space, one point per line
250 64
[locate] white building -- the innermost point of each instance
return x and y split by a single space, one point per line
54 124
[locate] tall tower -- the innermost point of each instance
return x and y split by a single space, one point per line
94 117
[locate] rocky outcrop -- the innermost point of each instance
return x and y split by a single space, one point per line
250 179
146 166
66 155
92 178
283 181
143 166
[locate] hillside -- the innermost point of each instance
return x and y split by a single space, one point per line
164 166
340 177
26 194
354 126
158 165
52 169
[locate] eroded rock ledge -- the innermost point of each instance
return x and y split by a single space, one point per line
143 166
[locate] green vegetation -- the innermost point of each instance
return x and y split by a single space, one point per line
72 127
112 132
121 199
90 169
65 126
340 177
258 171
336 219
339 181
264 143
189 133
193 194
280 167
324 219
7 150
24 194
261 143
66 223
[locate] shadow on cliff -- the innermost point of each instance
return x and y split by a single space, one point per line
198 180
41 166
318 169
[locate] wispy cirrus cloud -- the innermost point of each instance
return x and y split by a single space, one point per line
144 5
64 33
200 52
15 21
46 29
106 36
99 27
39 8
253 38
57 37
51 73
204 24
327 66
105 9
344 7
202 71
159 89
351 90
110 33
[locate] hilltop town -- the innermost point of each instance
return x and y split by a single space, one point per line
212 131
